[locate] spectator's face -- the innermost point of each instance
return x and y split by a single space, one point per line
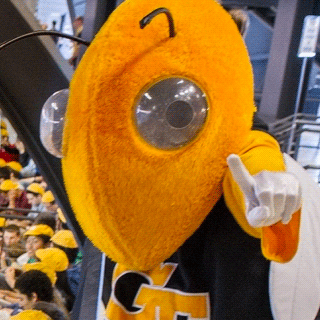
14 193
4 193
33 199
51 206
10 238
34 243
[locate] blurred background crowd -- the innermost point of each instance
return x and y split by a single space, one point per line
39 257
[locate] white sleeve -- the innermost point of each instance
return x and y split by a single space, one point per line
295 286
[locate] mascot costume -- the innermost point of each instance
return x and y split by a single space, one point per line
196 211
155 109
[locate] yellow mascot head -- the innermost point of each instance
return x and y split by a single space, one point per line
153 113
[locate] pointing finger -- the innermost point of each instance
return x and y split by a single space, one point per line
242 176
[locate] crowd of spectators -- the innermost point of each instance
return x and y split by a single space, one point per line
39 257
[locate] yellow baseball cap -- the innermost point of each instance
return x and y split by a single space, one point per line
31 315
42 267
39 229
47 197
54 258
2 162
8 184
2 222
4 132
61 216
65 238
35 188
14 165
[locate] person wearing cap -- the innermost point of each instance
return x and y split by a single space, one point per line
57 260
49 201
54 262
46 218
65 241
51 261
37 237
14 169
47 262
8 151
17 198
54 258
34 195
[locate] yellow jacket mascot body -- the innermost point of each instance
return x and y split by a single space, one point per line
153 114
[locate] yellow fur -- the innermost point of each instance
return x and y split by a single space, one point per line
136 203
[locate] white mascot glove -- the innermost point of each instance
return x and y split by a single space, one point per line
269 196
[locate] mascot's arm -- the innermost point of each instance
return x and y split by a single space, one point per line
279 242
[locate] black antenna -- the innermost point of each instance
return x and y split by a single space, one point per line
147 19
43 33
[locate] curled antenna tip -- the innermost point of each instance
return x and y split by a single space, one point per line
147 19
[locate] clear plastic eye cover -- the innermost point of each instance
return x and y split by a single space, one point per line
52 122
170 113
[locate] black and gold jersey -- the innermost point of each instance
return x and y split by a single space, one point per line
218 273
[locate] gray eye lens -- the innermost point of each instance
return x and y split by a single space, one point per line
179 114
171 113
52 122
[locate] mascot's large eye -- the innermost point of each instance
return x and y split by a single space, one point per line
171 113
52 122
